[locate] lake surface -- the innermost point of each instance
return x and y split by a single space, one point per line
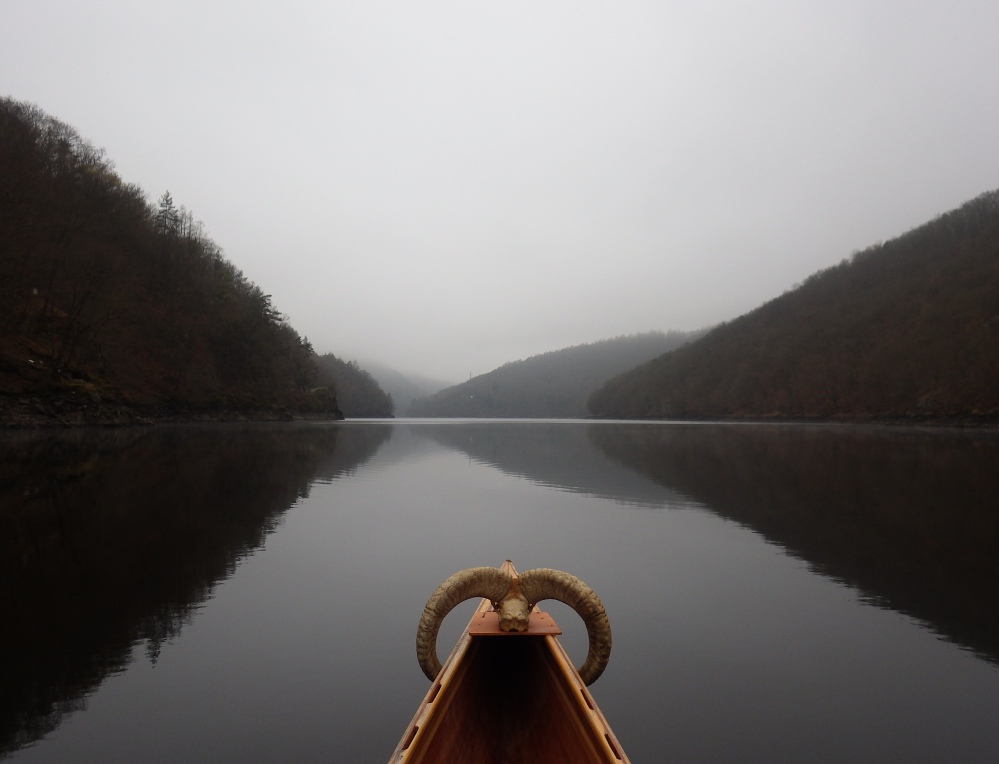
251 593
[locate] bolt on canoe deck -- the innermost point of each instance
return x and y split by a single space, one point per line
508 697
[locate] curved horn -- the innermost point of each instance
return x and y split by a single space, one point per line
547 584
463 585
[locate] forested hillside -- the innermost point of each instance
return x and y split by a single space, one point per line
907 329
111 308
554 384
358 393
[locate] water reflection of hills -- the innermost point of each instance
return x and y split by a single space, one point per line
911 519
114 537
557 454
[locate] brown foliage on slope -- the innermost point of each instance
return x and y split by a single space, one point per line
904 329
105 299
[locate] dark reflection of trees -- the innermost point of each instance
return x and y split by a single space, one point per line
558 454
911 519
111 538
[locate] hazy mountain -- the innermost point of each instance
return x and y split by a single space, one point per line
404 388
554 384
905 329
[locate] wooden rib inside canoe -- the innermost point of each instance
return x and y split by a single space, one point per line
504 697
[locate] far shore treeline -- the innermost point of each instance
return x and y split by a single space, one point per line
550 385
113 310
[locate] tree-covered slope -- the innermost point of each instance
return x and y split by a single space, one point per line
905 329
109 305
358 393
554 384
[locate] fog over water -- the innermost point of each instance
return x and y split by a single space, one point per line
447 186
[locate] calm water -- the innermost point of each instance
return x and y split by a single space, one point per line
251 594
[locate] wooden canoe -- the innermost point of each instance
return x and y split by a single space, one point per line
508 697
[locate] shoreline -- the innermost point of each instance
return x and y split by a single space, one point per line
61 412
40 412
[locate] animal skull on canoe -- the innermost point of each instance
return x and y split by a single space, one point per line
513 596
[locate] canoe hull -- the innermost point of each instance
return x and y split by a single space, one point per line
508 698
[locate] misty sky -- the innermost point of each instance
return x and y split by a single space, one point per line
447 186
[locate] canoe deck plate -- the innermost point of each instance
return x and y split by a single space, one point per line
487 625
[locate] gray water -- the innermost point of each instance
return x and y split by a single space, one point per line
251 593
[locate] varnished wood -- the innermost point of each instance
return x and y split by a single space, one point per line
508 698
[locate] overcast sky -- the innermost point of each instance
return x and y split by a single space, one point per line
447 186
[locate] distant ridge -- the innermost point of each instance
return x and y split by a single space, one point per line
550 385
907 329
403 387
